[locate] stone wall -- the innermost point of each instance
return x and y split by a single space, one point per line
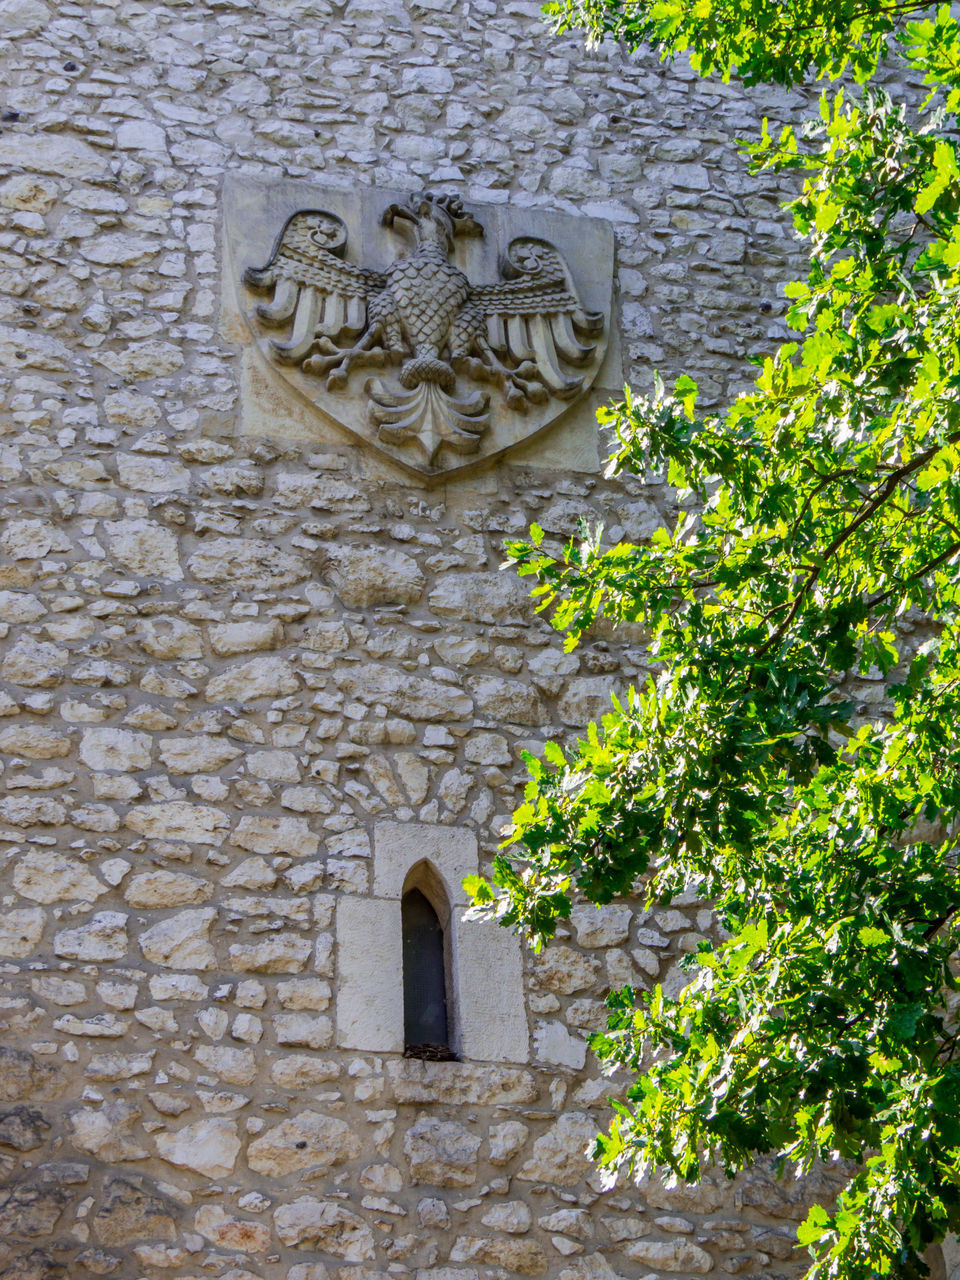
238 650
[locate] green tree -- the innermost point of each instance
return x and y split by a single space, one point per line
816 556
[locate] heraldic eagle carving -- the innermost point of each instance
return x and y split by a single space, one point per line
526 334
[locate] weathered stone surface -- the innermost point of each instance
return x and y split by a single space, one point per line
233 1066
403 694
50 877
34 740
107 1133
511 1216
507 701
241 1234
245 637
170 637
209 1146
280 954
526 1257
305 1140
181 941
25 1077
262 834
506 1140
560 1155
562 969
31 1208
670 1255
103 937
202 754
367 576
459 1083
325 1225
482 597
441 1152
179 820
258 678
34 664
129 1212
22 1129
605 926
165 889
106 748
145 548
586 698
247 564
20 930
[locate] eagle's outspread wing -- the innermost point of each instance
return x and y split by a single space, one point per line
314 289
534 322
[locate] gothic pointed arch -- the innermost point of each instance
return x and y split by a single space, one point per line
428 1004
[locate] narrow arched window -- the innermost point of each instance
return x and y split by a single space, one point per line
426 1022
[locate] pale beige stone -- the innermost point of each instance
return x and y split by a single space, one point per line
209 1146
269 835
165 889
525 1257
179 820
403 694
108 748
181 941
145 548
511 1216
48 877
170 637
482 597
24 191
459 1084
301 1142
246 564
586 698
367 576
107 1133
282 953
258 678
563 969
605 926
245 637
298 1029
399 846
300 1071
555 1045
507 701
441 1152
35 741
205 753
369 1009
34 664
304 993
103 937
324 1225
240 1234
152 475
506 1140
560 1155
20 931
151 358
233 1066
670 1255
30 811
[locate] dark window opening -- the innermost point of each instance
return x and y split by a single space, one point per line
425 1018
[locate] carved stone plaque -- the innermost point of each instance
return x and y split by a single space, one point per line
439 333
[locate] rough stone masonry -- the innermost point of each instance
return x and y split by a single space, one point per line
254 669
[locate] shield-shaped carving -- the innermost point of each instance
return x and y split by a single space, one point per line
436 331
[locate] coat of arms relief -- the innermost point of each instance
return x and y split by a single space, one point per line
439 334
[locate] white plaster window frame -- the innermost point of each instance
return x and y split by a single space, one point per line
489 1016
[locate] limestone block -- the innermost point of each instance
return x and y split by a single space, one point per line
181 941
179 820
245 637
554 1044
20 931
507 701
165 889
560 1155
268 835
459 1084
43 876
234 1066
103 937
258 678
35 741
301 1029
241 1234
24 1077
19 606
593 1266
526 1257
301 1142
34 664
283 953
107 1133
488 972
324 1225
152 475
300 1071
564 970
22 1129
506 1140
149 359
128 1213
366 576
585 698
441 1152
170 637
145 548
246 564
383 1178
204 753
398 846
511 1216
121 749
605 926
405 695
209 1146
482 597
30 811
370 962
670 1255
